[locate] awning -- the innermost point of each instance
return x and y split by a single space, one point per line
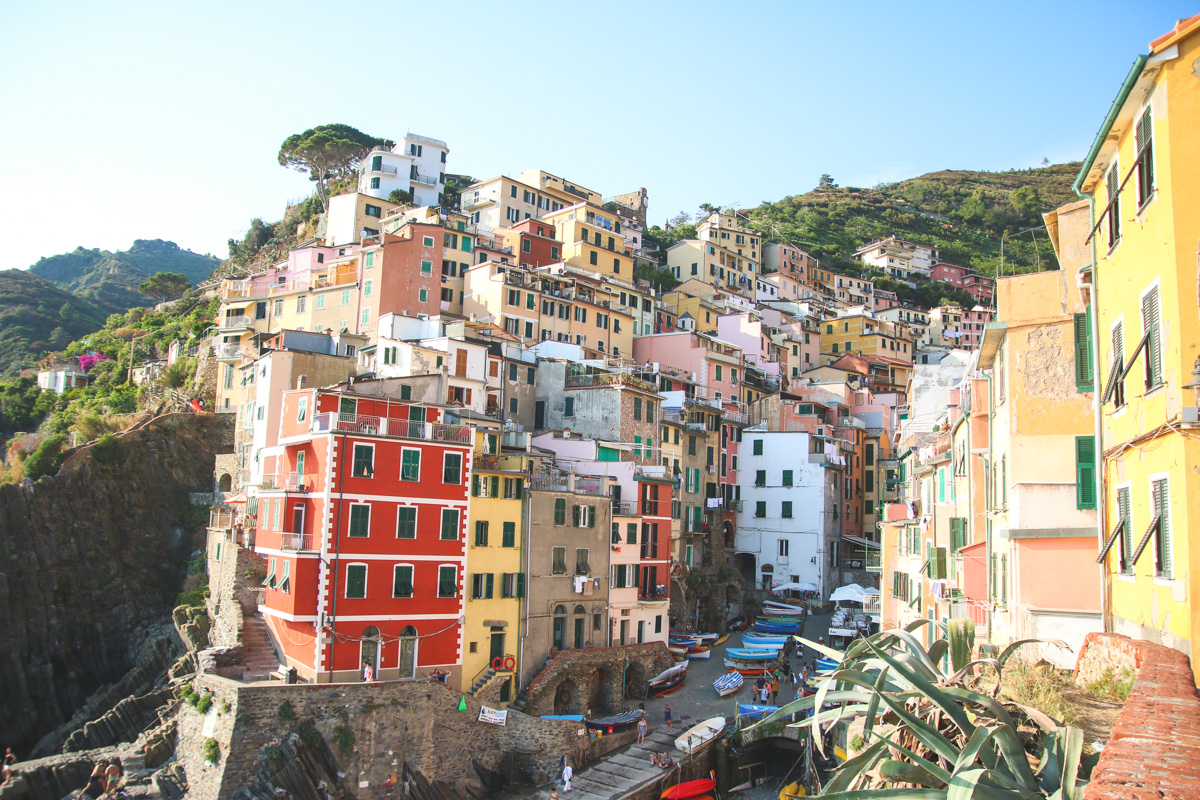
860 540
235 499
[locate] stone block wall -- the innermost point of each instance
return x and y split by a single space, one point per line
386 725
1154 750
230 594
596 679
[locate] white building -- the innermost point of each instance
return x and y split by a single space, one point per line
898 257
787 530
416 164
62 379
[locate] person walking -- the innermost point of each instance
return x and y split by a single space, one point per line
567 774
766 694
642 729
667 719
774 689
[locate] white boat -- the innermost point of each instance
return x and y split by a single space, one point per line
758 644
667 675
774 604
697 736
728 683
700 654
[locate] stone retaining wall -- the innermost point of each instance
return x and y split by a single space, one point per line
1154 750
577 680
384 727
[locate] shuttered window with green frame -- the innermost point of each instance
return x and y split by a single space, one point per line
1152 330
1084 378
1085 472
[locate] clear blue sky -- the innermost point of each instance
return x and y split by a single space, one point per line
163 120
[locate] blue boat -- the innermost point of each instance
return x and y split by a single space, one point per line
575 717
751 711
756 644
775 627
827 665
728 684
740 654
765 637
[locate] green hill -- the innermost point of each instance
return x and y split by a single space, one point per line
110 280
963 213
36 317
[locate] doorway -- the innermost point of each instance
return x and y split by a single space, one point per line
497 649
624 631
368 651
641 631
408 652
539 415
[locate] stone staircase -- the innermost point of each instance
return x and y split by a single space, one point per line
624 772
258 654
483 681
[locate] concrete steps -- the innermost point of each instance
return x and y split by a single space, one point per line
622 773
258 654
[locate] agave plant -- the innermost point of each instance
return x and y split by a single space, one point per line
930 733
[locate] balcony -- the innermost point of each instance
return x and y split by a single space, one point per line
424 180
236 323
299 542
227 352
608 379
392 428
382 169
653 592
282 482
874 561
624 508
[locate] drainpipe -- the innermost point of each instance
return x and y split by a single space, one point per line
987 522
523 617
337 553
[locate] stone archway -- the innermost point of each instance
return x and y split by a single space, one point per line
635 681
747 565
599 697
566 698
225 483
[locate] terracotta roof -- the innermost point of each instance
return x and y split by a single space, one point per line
1181 27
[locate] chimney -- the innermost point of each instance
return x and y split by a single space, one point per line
300 381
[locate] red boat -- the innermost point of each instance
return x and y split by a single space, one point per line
691 789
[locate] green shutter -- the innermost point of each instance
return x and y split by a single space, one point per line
1150 318
520 584
1162 508
1126 556
1083 352
495 486
591 516
560 511
520 488
1085 472
510 535
475 486
489 585
575 516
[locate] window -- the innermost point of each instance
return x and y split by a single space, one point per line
356 581
1116 378
783 547
447 581
581 562
1112 182
559 566
583 516
1085 472
787 477
760 477
569 407
320 301
302 409
509 538
345 297
1125 555
760 509
1151 329
410 464
1144 137
422 296
1164 563
301 304
402 581
449 523
758 447
374 211
560 511
364 461
637 408
426 267
452 468
374 183
631 533
786 513
406 523
1083 351
360 520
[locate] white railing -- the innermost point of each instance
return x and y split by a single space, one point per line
299 542
384 168
394 428
285 481
417 177
240 321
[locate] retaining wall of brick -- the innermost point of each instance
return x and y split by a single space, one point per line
1154 750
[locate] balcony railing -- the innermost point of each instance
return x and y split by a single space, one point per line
299 542
383 168
233 323
550 483
393 428
282 481
653 592
609 379
624 508
874 561
226 352
416 177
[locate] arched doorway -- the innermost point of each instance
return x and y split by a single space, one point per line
225 483
368 651
599 700
635 681
768 575
408 652
566 698
559 639
746 564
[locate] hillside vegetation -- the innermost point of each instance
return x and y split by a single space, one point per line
110 280
961 212
37 317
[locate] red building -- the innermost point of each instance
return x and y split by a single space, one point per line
363 532
532 242
655 497
981 287
401 273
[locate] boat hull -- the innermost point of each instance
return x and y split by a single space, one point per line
689 789
728 684
615 724
751 654
696 737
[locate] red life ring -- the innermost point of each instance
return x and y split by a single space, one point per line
497 663
510 663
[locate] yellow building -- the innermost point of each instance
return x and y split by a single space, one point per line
495 585
592 240
1140 178
864 335
725 254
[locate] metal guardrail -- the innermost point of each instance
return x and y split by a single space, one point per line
393 428
299 542
282 481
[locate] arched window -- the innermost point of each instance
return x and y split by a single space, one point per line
408 652
369 653
580 618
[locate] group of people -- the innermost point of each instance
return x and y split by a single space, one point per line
103 781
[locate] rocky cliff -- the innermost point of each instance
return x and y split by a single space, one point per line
91 561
